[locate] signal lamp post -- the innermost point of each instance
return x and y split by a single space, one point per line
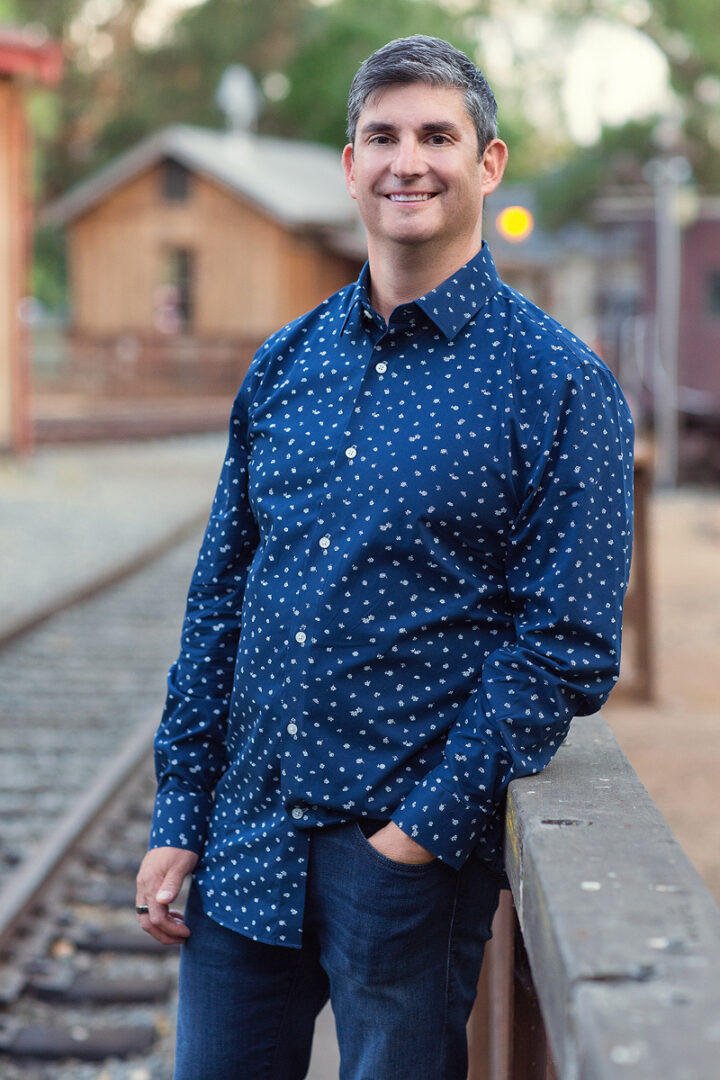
515 223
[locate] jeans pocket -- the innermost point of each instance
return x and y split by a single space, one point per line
411 869
392 917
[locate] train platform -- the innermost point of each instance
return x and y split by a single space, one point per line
74 517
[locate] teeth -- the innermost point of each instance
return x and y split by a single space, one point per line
411 198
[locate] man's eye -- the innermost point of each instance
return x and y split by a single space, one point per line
438 140
381 140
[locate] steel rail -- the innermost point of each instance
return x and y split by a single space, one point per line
104 579
24 891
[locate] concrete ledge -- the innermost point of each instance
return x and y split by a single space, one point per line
622 934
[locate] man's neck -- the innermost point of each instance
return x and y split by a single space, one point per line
401 275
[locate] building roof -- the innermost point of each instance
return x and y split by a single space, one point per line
300 184
639 205
29 53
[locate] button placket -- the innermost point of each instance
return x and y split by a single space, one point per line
324 538
326 565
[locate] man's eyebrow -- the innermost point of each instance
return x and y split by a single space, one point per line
441 125
377 126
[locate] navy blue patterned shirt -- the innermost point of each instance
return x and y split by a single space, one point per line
411 580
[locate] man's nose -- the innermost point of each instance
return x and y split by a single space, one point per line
408 160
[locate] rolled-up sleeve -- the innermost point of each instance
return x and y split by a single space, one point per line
567 571
190 741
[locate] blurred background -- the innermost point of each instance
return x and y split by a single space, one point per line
186 206
171 193
177 195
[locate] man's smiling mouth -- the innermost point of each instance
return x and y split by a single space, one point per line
420 197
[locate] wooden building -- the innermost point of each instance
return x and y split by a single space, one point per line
25 58
628 312
186 252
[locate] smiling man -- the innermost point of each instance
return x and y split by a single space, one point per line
419 173
411 581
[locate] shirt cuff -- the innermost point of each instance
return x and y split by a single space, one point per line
180 819
443 823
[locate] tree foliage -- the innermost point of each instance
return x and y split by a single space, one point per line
117 89
334 40
688 35
566 192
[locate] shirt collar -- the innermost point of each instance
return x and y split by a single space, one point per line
459 298
359 301
450 305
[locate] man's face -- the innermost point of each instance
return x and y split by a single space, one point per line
414 169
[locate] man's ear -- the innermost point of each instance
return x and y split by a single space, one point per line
349 166
493 163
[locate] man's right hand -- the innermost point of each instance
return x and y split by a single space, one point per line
159 881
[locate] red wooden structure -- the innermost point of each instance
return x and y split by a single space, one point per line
25 58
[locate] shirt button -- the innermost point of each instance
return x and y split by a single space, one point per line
301 637
324 541
381 367
292 729
298 812
351 452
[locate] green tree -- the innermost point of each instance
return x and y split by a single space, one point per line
567 192
179 78
332 43
688 34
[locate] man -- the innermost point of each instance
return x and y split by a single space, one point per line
412 579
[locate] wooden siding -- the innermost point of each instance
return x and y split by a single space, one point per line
251 275
699 327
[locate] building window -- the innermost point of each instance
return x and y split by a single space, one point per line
713 293
175 181
174 299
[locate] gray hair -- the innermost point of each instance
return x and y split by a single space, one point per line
429 60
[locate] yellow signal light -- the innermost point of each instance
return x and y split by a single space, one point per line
515 223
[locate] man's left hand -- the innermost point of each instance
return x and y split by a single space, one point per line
394 844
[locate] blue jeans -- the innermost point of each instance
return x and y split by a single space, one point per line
396 948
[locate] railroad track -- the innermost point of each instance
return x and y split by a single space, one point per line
84 993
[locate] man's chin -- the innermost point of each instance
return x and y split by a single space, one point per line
410 237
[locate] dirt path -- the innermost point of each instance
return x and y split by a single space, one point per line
674 743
